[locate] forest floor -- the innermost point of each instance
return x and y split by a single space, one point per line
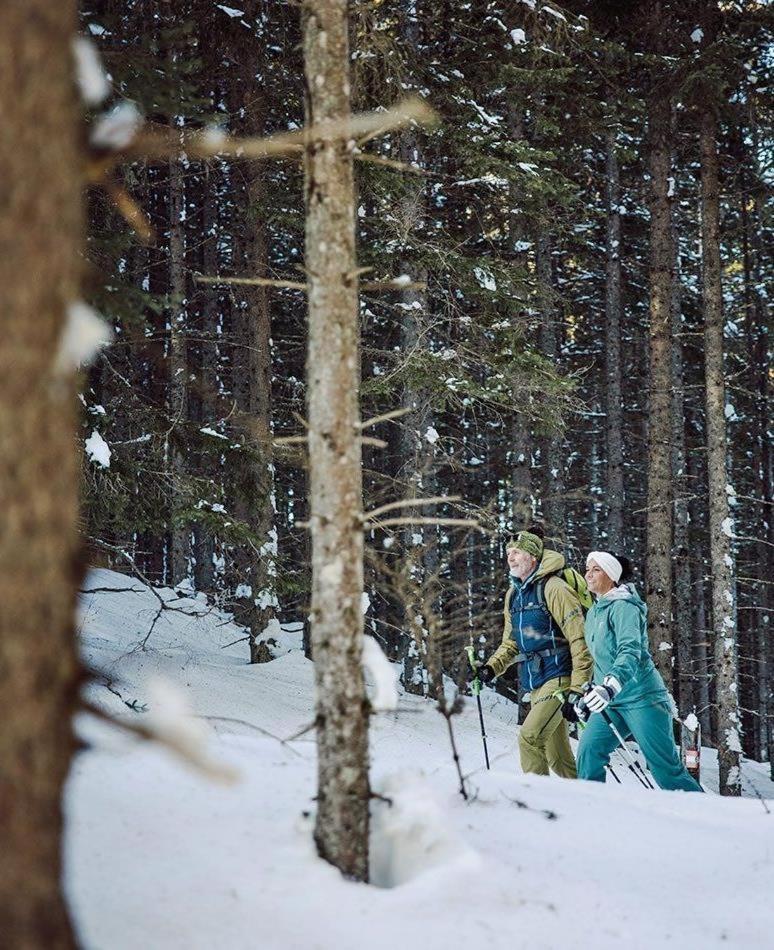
158 856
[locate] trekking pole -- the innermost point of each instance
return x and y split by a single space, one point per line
476 687
634 765
608 766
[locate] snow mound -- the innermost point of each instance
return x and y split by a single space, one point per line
410 834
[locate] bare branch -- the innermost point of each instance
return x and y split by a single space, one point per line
372 159
251 282
370 286
217 771
409 503
385 417
457 522
160 144
395 284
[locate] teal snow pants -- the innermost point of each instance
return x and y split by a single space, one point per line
651 727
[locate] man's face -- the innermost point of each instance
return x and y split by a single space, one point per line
520 563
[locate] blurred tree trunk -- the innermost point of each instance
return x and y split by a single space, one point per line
40 247
333 378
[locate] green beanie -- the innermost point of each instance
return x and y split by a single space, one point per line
526 541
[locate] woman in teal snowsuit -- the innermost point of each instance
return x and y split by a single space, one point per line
628 688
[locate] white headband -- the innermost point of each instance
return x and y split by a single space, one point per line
609 564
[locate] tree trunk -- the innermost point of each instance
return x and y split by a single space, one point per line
254 481
721 530
614 494
683 614
206 466
552 455
333 375
180 548
659 518
40 245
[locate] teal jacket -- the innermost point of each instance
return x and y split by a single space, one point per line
617 637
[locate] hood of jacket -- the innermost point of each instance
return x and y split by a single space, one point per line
622 592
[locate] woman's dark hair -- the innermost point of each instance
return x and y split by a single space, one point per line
628 571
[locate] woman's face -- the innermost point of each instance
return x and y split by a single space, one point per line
599 583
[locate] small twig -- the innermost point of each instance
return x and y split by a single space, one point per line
409 503
547 813
251 725
447 715
757 794
233 642
302 732
382 798
110 590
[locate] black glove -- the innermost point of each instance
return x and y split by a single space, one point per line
569 710
484 674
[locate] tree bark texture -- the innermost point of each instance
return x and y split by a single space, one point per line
254 482
207 402
180 547
40 238
682 612
659 519
724 627
614 494
552 449
417 471
333 377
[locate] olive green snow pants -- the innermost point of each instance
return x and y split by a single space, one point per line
543 739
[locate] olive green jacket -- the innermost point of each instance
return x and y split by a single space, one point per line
566 610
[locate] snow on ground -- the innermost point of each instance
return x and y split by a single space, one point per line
157 856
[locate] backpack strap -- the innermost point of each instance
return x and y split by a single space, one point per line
540 594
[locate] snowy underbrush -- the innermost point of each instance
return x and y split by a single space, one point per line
160 856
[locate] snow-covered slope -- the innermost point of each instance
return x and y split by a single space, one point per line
160 857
